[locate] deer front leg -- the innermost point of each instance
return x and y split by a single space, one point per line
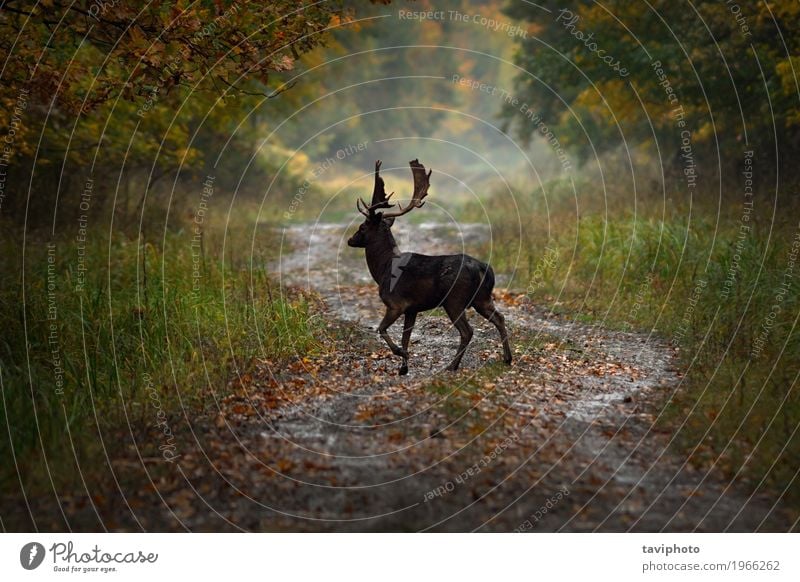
388 319
408 325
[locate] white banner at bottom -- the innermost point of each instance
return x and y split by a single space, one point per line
401 557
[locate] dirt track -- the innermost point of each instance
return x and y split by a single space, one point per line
563 440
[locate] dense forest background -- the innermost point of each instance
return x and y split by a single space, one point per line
148 122
148 113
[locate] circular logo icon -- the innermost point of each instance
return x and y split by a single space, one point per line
31 555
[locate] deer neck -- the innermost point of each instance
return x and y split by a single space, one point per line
380 254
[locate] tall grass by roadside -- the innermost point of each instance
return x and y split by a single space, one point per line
724 290
145 330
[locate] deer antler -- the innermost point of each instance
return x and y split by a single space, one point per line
422 182
379 197
369 209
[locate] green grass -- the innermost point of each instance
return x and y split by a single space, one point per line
738 409
151 327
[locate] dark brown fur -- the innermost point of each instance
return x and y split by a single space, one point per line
410 283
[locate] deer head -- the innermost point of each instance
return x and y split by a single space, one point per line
378 216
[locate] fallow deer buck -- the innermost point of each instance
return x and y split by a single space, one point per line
411 282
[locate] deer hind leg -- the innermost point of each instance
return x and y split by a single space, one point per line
488 310
408 325
459 319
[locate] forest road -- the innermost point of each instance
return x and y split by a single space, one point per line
563 440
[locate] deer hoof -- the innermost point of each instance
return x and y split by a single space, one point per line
403 370
507 361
